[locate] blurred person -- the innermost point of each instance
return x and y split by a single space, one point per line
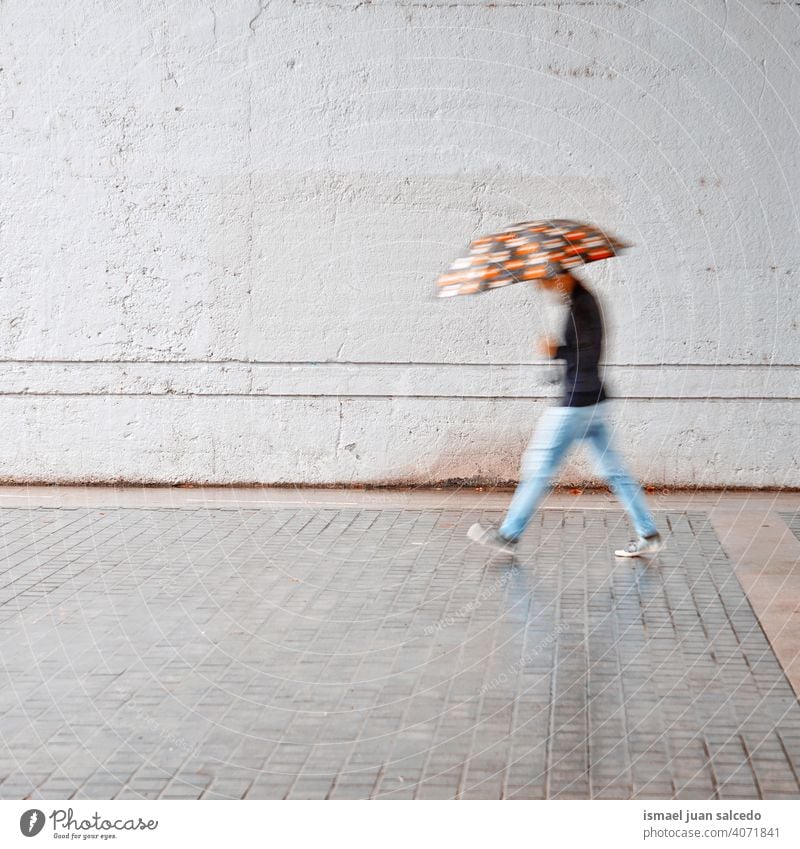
580 416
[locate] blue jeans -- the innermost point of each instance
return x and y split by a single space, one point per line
558 428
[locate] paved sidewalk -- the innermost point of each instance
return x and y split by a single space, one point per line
283 650
793 522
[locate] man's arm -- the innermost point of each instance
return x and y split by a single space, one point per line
548 347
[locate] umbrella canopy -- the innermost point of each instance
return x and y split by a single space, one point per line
527 251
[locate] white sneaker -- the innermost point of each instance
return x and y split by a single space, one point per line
491 538
642 547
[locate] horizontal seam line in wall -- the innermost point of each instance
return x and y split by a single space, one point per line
307 395
379 363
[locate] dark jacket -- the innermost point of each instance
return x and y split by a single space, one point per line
582 349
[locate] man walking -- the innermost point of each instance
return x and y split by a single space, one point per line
581 416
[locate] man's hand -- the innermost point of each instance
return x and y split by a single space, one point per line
547 347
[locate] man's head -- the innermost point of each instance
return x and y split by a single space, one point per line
561 283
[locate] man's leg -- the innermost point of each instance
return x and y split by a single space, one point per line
612 468
553 436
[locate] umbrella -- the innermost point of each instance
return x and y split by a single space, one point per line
527 251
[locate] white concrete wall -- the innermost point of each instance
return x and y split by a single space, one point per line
220 223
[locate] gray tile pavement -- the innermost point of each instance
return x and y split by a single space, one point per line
793 522
348 652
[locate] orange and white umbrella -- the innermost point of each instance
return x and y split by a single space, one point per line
527 251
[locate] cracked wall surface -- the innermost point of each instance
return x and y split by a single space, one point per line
220 225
